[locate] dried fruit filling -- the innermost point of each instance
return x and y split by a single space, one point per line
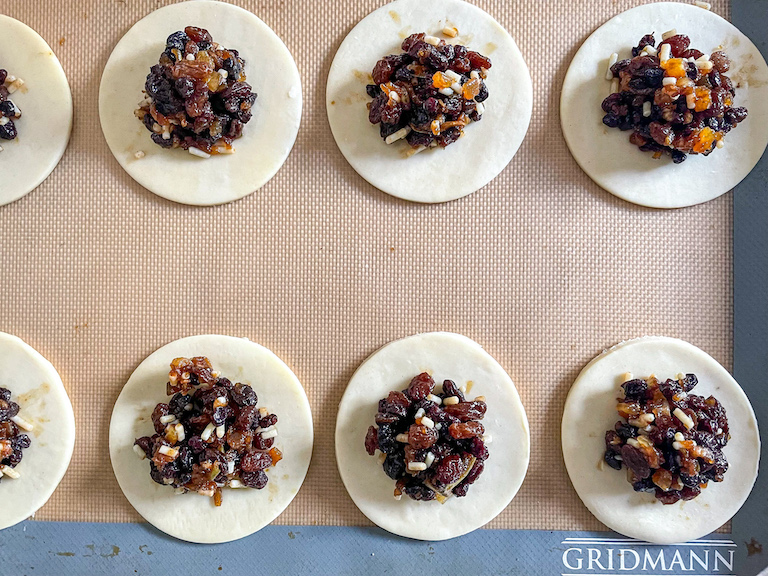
675 99
210 435
432 443
429 93
671 441
9 112
196 96
12 440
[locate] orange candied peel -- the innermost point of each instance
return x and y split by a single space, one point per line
675 67
275 454
440 81
703 98
702 142
471 88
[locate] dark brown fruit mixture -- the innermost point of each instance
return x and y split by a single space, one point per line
675 99
671 441
12 440
210 435
429 93
432 444
9 112
197 97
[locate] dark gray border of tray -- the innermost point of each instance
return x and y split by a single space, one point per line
750 311
74 549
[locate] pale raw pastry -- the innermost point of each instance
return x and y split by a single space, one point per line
243 511
267 139
445 356
590 411
618 166
435 175
38 390
46 107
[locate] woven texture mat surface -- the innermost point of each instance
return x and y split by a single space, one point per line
541 267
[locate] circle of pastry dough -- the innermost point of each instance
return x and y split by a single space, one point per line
243 511
436 175
621 168
38 390
445 356
590 410
267 139
46 110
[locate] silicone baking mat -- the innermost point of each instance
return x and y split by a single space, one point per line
541 267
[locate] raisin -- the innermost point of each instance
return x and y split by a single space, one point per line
635 389
247 419
450 469
397 403
466 411
420 387
635 461
451 389
394 466
256 479
421 437
678 44
417 491
160 411
254 461
464 430
371 440
474 474
198 34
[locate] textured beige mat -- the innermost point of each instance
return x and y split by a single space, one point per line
542 267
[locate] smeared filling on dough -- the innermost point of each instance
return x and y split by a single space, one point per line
429 93
9 112
671 441
210 435
196 96
675 99
12 440
432 444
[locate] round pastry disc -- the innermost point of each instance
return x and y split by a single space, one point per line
445 356
435 175
38 390
618 166
46 110
267 139
243 511
590 411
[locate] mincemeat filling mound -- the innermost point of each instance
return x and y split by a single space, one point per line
676 100
210 435
432 444
12 440
671 441
196 96
429 93
9 112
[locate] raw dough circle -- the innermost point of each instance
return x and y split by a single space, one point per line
606 154
433 175
37 388
243 511
267 139
46 110
445 356
590 411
